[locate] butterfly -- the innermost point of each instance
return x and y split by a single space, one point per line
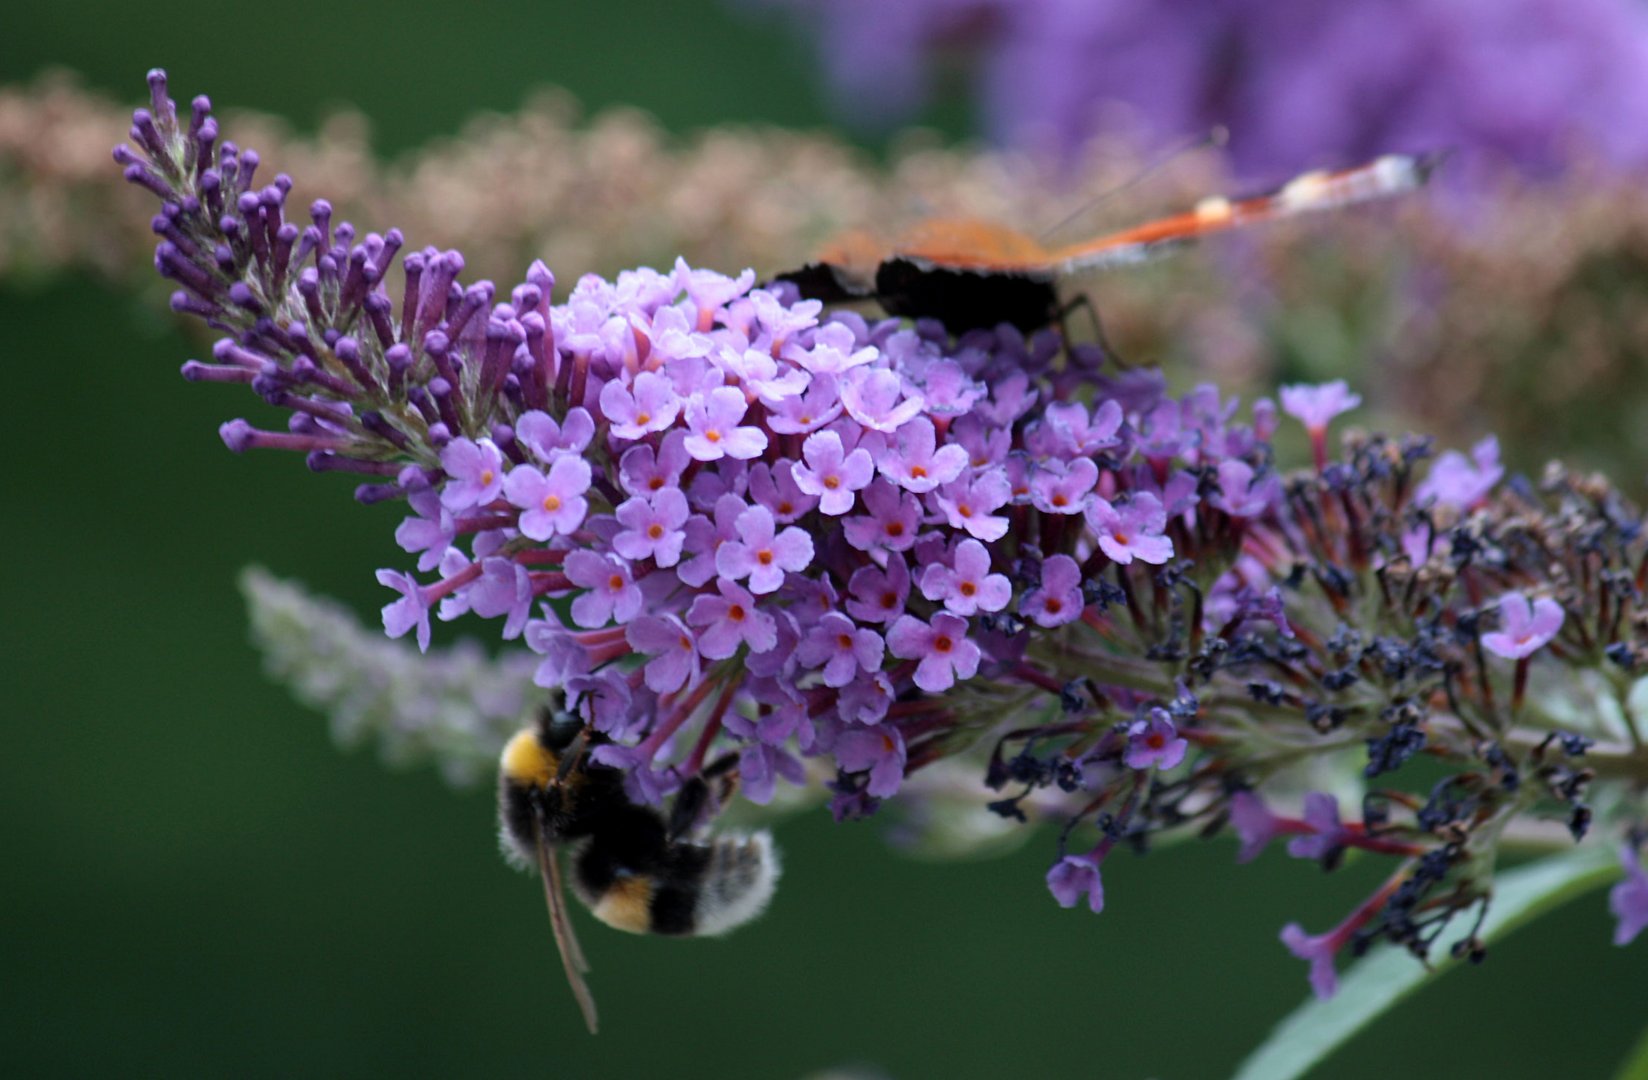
971 274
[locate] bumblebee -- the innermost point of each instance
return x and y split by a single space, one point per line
633 868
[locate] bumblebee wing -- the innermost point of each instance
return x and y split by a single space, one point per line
572 957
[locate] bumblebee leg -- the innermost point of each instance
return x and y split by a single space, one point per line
697 794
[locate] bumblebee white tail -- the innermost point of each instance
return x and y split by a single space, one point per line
738 884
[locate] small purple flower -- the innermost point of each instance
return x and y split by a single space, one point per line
550 505
803 413
1523 630
879 749
652 528
890 521
1154 741
673 338
1010 398
782 321
1162 434
777 664
1328 837
841 648
644 785
948 389
1132 530
431 531
476 471
915 465
1074 875
1629 899
504 588
1068 431
1255 825
984 445
873 398
705 537
710 291
565 657
674 662
1319 951
411 610
539 433
730 620
1316 406
641 471
1056 488
760 555
769 380
967 586
832 352
759 767
942 647
713 420
775 488
878 595
649 404
969 503
611 592
1059 600
605 698
830 474
1242 496
1459 483
865 699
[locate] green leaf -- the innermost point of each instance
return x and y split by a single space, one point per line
1317 1028
1635 1065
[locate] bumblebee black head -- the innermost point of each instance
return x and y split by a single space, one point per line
557 728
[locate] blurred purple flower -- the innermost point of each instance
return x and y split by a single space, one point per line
1074 875
1298 84
1255 825
1459 482
1319 951
1154 741
1629 899
1523 629
1328 837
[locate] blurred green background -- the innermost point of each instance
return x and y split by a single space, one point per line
198 883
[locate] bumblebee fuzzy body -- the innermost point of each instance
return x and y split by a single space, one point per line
627 863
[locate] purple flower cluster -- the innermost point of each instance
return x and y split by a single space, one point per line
795 524
736 528
1297 84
